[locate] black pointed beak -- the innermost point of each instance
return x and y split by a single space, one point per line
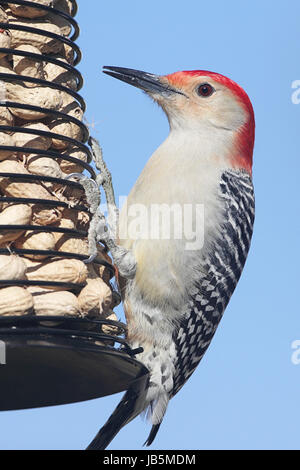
143 80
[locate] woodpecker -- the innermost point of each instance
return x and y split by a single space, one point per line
177 292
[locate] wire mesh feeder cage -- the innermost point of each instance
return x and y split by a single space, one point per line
61 341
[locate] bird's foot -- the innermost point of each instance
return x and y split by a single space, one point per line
106 230
123 259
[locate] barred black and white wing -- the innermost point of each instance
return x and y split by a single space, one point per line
224 266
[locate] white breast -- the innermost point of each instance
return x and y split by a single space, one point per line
182 175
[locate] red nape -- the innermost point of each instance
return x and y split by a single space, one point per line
245 139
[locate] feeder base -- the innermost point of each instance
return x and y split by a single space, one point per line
55 370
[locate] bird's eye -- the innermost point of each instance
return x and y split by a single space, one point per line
205 90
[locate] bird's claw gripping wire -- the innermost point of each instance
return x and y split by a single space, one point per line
107 231
93 197
102 230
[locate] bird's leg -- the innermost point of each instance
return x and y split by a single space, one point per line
93 197
107 230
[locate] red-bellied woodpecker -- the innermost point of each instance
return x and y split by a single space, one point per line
175 291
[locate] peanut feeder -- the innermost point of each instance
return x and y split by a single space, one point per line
56 311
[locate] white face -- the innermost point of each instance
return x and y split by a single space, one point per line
204 103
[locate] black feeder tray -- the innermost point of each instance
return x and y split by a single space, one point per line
59 360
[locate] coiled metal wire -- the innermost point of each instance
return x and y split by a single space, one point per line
81 145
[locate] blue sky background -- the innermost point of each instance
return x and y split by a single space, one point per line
245 393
